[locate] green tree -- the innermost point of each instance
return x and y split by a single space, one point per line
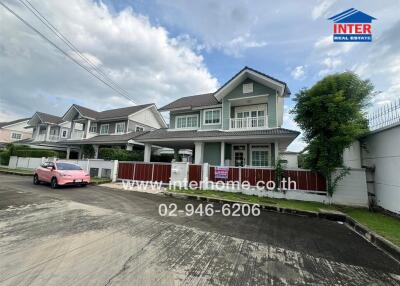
331 116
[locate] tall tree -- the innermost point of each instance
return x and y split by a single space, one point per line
331 116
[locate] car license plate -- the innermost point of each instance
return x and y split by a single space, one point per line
78 181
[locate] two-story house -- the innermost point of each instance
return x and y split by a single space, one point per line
110 128
12 131
238 125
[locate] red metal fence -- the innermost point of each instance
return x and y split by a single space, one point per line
160 172
305 179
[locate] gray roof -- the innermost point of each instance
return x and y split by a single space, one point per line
165 134
49 118
2 124
207 99
122 138
111 113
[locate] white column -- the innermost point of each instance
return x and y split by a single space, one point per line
96 151
276 151
48 132
87 128
147 152
72 129
68 152
198 152
80 153
222 153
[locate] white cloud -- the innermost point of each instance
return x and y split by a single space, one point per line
321 8
236 46
298 72
144 59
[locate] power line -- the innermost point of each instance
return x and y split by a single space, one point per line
64 52
53 29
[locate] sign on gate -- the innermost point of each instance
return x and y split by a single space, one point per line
221 172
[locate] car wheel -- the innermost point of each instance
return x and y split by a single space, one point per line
36 180
53 183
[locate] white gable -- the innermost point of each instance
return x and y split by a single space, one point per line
150 117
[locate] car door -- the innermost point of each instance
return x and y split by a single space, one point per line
46 172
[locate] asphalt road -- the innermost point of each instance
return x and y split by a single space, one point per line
99 236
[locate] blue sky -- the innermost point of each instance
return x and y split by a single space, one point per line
162 50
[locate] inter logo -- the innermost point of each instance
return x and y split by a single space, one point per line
352 26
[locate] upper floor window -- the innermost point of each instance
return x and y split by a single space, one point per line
139 128
248 87
186 121
16 136
93 127
64 133
104 128
120 127
212 116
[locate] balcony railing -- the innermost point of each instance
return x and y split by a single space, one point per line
249 123
40 137
77 134
54 137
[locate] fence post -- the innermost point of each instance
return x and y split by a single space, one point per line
114 171
205 173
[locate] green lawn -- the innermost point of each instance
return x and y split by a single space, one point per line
23 172
382 224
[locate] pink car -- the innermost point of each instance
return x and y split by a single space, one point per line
60 173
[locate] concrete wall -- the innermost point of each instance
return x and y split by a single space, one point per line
32 163
352 156
382 152
352 189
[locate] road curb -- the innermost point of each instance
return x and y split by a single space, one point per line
373 238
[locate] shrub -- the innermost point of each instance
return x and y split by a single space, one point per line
120 154
38 153
165 158
4 157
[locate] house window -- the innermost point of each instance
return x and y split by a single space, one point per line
64 133
139 129
93 127
248 87
104 128
212 116
120 127
16 136
260 155
188 121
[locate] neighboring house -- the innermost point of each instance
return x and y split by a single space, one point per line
291 159
238 125
110 128
13 131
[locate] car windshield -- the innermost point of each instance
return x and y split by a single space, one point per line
68 166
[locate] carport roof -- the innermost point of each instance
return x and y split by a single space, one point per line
105 139
164 134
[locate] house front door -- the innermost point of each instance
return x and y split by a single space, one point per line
239 155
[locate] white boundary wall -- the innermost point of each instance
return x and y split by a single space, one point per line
382 153
32 163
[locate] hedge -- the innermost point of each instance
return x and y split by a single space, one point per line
4 158
39 153
120 154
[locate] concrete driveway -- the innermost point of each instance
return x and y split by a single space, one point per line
99 236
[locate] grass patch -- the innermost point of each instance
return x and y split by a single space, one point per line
21 172
99 181
382 224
